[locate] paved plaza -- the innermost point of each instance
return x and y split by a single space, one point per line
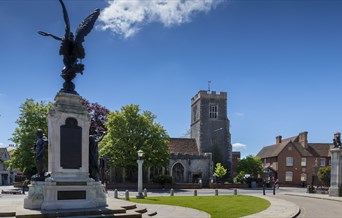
279 208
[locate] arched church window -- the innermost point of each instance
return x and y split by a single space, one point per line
178 172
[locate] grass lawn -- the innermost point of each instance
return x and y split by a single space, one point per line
217 206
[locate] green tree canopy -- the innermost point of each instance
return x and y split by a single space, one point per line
220 171
324 175
250 165
128 131
32 117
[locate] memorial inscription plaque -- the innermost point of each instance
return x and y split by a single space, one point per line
71 145
71 195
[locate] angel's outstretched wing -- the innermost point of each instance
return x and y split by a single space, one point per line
84 29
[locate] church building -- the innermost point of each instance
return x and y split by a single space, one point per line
193 160
210 126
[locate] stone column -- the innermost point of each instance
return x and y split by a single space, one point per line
336 172
140 179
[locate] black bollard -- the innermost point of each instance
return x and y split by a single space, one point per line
116 193
263 189
126 195
145 192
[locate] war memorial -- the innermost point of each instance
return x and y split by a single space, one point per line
336 167
67 184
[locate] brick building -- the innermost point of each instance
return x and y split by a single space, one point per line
236 155
6 177
294 160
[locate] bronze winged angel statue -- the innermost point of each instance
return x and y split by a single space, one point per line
72 48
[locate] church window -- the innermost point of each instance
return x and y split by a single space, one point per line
194 112
213 112
322 162
213 140
178 172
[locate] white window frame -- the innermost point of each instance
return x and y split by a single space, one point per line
303 162
322 162
289 161
213 111
288 176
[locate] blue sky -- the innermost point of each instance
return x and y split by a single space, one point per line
279 61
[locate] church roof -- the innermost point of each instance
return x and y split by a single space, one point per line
183 146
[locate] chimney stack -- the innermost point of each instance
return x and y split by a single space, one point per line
278 139
303 139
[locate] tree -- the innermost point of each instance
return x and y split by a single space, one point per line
220 171
32 117
187 134
324 175
98 117
250 165
129 131
240 178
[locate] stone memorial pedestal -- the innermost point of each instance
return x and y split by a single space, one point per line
336 172
69 186
35 195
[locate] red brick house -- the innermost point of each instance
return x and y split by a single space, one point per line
293 160
236 155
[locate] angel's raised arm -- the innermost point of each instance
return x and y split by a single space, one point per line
49 34
66 20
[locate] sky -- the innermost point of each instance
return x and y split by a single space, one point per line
279 61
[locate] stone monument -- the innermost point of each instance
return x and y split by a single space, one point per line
69 185
336 167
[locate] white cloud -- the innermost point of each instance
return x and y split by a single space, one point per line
2 144
239 146
127 17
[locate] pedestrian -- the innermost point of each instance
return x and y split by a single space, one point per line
24 184
277 184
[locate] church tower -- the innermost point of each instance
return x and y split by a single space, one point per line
210 126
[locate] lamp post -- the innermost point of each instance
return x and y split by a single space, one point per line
140 162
